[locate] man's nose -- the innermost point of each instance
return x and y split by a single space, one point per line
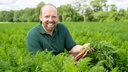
50 19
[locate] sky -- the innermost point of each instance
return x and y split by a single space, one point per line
22 4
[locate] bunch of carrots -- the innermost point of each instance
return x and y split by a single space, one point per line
85 50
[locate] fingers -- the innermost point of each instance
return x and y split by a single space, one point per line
79 55
84 54
90 50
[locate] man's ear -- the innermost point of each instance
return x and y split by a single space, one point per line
40 17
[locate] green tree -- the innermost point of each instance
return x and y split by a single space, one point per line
27 15
98 5
10 16
113 7
2 16
89 14
66 13
17 16
81 7
126 16
99 16
37 11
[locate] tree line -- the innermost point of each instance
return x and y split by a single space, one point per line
78 10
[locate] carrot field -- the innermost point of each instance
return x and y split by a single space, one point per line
110 41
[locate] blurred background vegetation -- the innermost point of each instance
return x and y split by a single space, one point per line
78 11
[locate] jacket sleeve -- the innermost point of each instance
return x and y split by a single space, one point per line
33 44
69 42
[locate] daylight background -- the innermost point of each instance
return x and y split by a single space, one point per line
103 23
21 4
68 10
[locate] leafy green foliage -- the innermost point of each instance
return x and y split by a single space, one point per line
104 51
108 39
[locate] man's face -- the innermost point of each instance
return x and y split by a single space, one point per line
49 18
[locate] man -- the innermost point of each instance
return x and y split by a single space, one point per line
50 35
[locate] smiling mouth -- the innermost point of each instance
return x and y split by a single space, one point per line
50 25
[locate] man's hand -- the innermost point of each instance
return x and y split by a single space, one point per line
88 51
80 51
75 50
82 54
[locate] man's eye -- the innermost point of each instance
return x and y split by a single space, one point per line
54 16
46 16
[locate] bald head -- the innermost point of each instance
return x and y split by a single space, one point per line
49 18
48 7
